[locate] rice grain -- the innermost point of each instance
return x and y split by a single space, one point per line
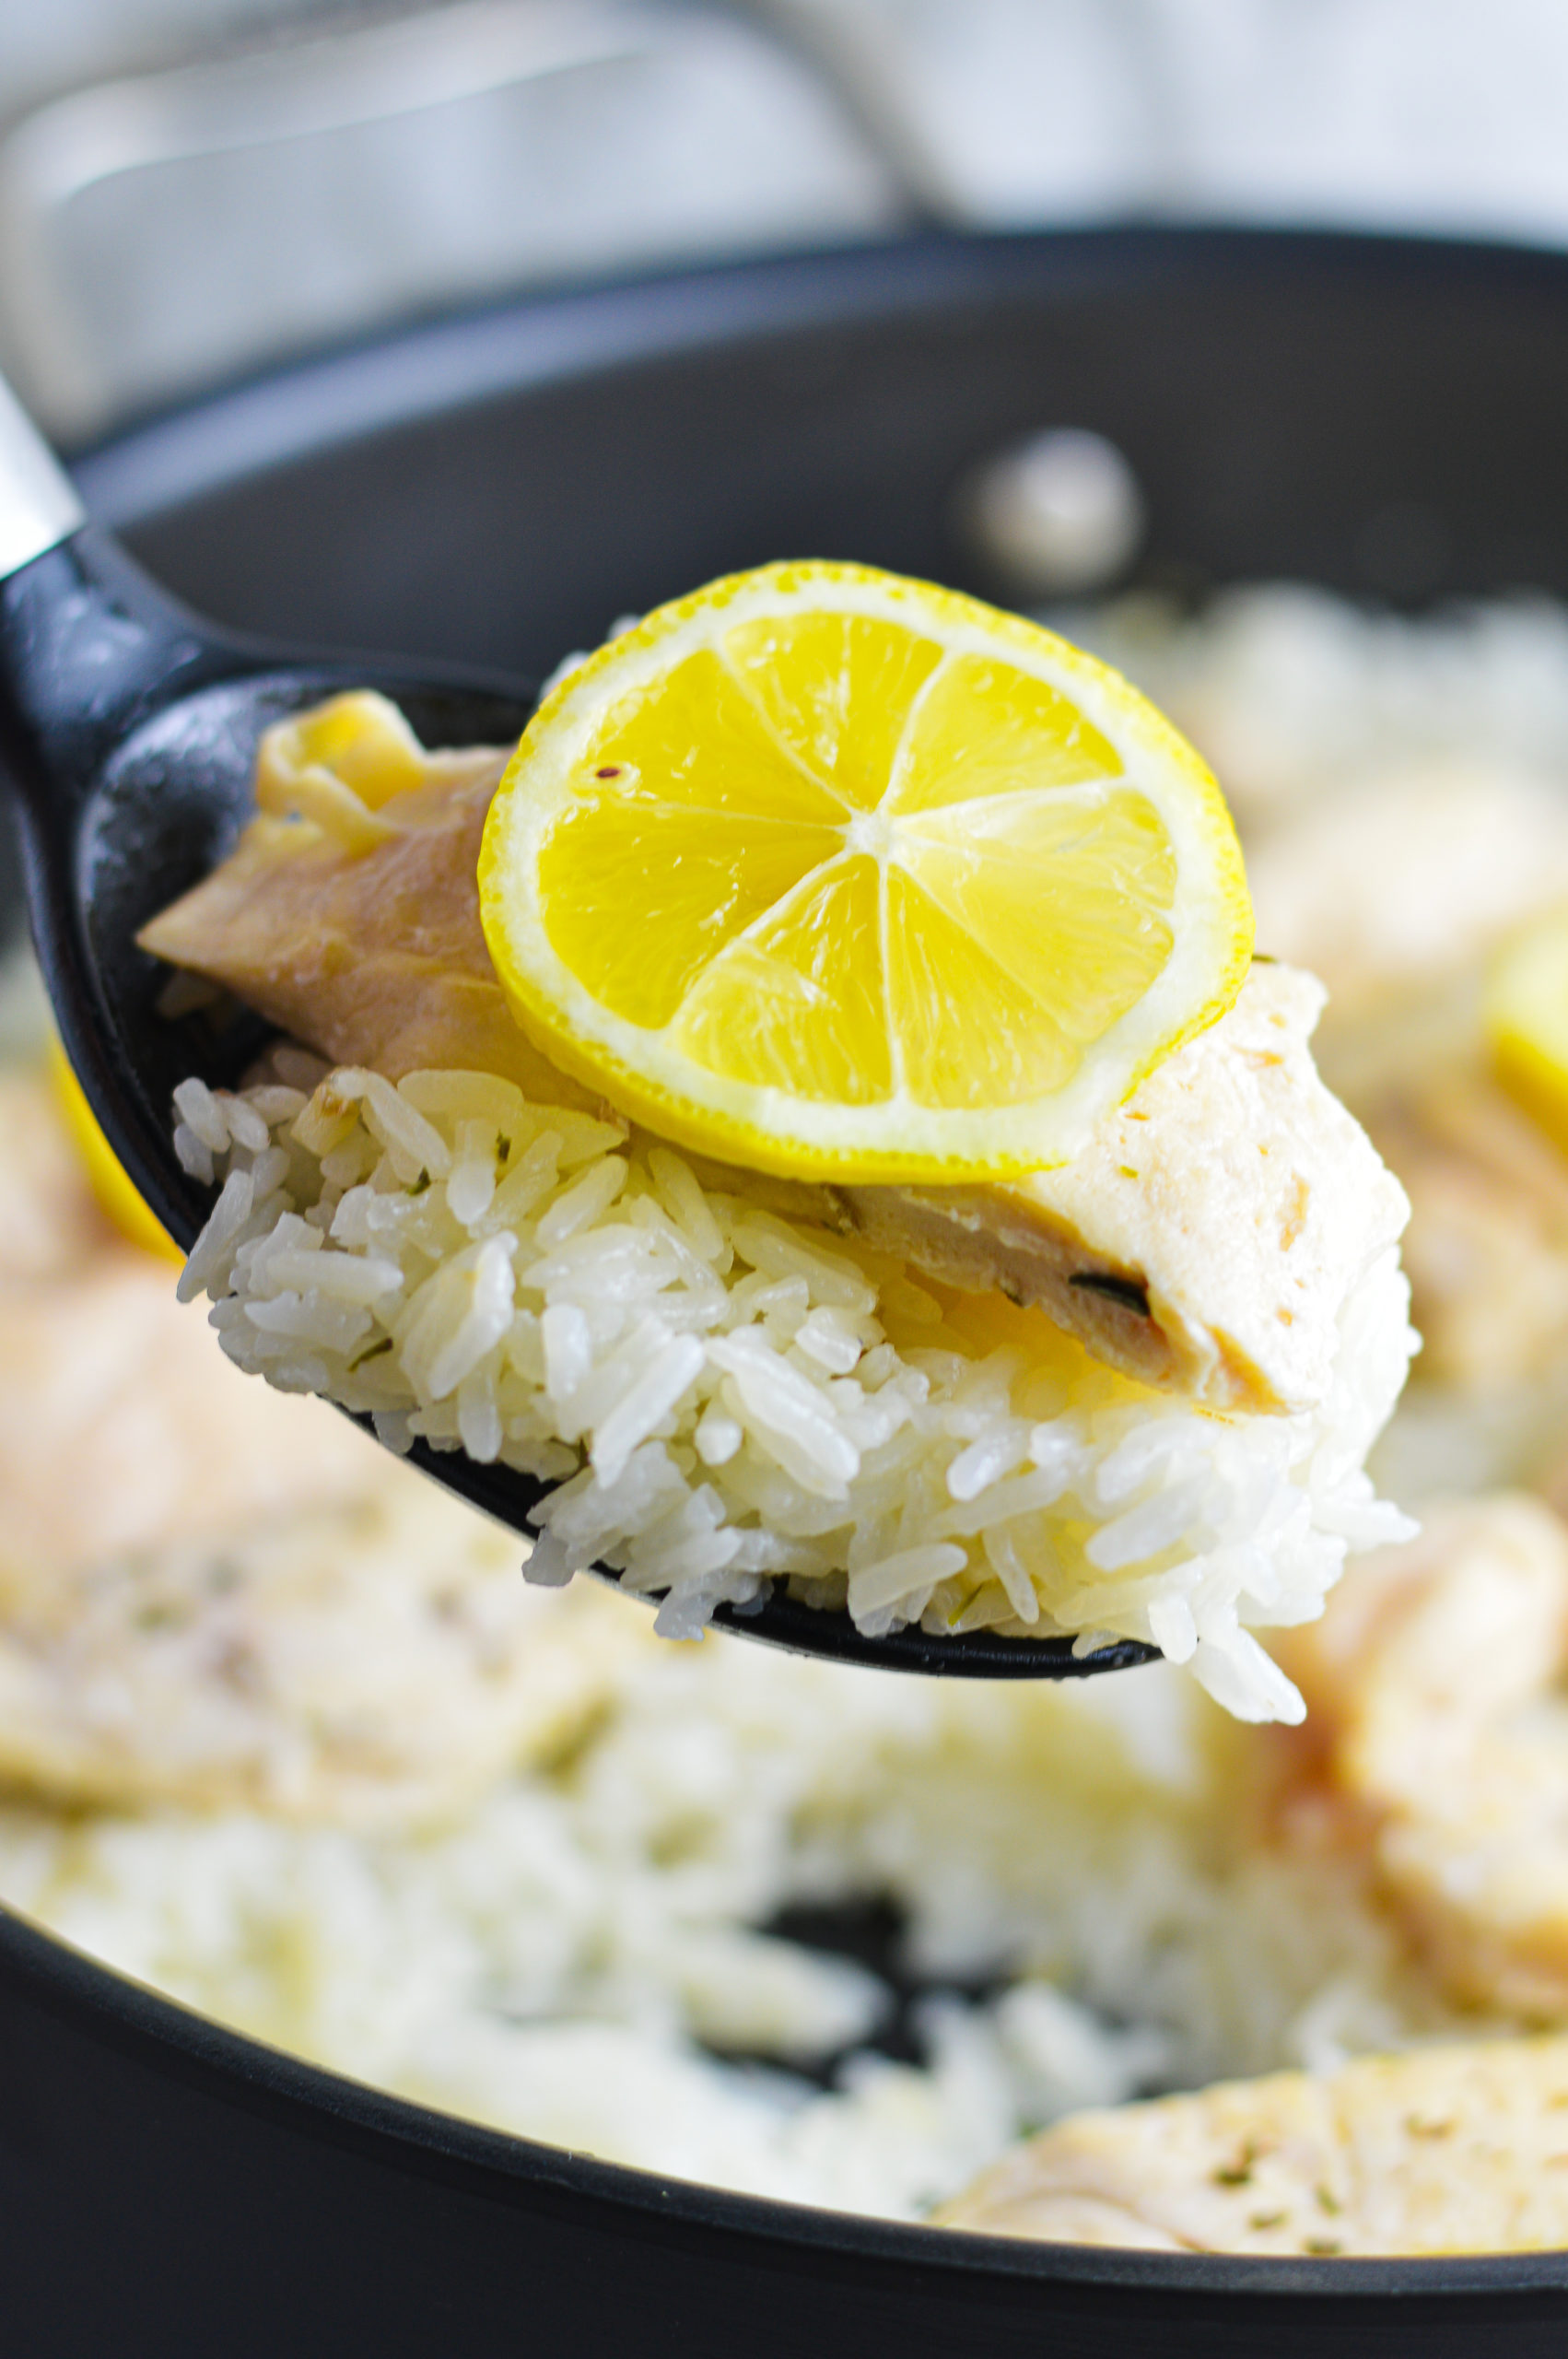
732 1398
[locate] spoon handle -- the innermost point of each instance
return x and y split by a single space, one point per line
39 507
88 644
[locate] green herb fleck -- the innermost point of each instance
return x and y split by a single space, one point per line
1239 2173
420 1184
370 1351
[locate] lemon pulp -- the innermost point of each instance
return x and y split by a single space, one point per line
838 874
1525 1009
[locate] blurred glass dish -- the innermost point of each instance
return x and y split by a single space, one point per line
166 231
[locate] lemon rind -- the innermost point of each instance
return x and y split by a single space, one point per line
894 1139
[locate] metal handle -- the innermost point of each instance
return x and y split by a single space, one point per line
39 507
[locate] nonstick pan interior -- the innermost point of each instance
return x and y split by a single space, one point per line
1381 417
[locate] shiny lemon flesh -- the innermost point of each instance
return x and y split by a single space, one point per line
836 874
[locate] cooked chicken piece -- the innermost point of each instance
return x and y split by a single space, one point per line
1436 1712
374 1662
96 1460
1409 877
1487 1248
49 1219
213 1594
1209 1235
1444 2150
1207 1240
371 952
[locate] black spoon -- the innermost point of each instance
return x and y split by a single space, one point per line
128 732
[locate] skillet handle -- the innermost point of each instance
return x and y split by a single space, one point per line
39 507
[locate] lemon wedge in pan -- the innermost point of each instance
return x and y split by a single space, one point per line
1524 1004
110 1182
836 874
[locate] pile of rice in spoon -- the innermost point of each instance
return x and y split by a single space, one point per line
1129 1395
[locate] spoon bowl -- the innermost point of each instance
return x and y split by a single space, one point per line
128 734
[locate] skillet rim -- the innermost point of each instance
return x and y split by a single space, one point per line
145 2025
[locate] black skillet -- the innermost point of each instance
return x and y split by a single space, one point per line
128 734
1379 415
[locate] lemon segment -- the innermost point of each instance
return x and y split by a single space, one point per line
644 900
967 1034
796 1004
1524 1007
986 728
836 874
836 690
110 1184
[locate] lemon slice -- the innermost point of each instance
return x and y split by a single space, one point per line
836 874
107 1176
1524 1004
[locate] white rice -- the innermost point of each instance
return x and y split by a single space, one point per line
579 1958
723 1398
1295 695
